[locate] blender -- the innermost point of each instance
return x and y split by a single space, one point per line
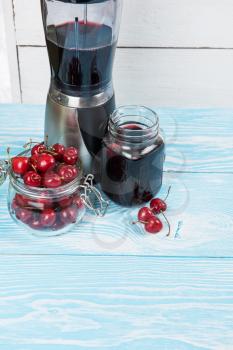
81 38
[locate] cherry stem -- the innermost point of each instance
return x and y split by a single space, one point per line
168 192
50 152
30 144
8 154
46 140
33 167
168 223
139 222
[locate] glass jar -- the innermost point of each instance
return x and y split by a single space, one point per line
132 156
51 211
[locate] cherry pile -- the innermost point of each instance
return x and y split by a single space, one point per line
47 168
149 216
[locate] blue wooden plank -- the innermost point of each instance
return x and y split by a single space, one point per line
115 304
199 210
197 140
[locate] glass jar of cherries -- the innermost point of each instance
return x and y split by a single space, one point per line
47 192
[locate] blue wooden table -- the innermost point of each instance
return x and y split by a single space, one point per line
107 284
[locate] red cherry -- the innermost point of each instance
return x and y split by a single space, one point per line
58 225
31 178
45 162
38 149
24 215
69 215
35 224
47 218
65 202
77 200
20 165
21 200
33 160
154 225
158 205
52 180
59 150
145 214
67 173
70 155
14 205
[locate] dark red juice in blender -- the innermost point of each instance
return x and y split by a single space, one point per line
81 56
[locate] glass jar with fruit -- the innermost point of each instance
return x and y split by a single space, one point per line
48 194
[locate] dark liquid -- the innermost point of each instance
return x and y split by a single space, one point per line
81 56
131 182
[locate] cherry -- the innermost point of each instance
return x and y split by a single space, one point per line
31 178
154 225
33 161
14 205
45 162
145 214
65 202
69 215
158 205
38 149
52 180
58 225
24 215
35 224
21 200
70 155
20 165
67 173
77 200
59 150
47 218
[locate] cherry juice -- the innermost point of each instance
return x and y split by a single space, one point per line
130 175
81 56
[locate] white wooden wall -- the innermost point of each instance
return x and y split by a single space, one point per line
171 53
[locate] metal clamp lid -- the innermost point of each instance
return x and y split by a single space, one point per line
92 197
4 168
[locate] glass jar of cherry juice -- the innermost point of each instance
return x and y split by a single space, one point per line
132 156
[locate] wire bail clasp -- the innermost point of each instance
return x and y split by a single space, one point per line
4 168
92 197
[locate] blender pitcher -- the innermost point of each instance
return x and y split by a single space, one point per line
81 38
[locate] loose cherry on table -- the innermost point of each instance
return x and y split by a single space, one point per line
147 216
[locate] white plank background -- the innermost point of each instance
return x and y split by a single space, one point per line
171 53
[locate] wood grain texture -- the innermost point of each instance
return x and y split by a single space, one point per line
158 23
116 304
156 77
200 204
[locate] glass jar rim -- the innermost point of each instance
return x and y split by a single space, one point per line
128 135
43 192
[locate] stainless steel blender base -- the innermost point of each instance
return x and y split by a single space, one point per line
79 122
